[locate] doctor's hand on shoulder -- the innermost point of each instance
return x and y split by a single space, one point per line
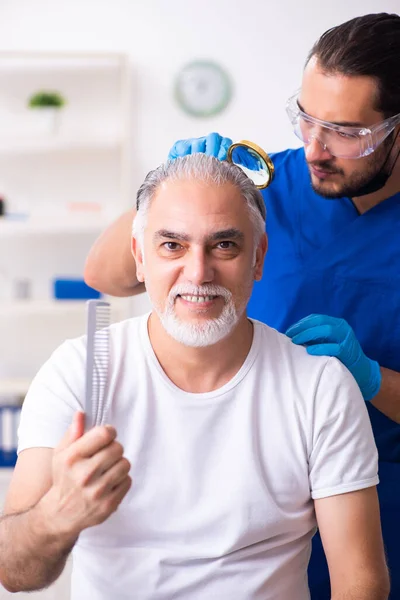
329 336
213 145
90 478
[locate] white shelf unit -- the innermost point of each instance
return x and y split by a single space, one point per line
61 189
61 308
14 387
53 313
60 145
52 226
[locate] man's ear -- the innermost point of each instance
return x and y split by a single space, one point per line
260 256
137 253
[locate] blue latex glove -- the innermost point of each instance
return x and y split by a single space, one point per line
213 145
329 336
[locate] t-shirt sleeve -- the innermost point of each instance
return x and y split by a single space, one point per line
344 457
56 393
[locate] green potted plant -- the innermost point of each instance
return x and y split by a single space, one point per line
47 105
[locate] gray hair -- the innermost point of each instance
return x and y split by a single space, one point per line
202 168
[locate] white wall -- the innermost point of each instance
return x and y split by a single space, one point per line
262 43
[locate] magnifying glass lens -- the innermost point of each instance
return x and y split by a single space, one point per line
253 161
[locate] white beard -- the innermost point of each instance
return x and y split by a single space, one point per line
205 332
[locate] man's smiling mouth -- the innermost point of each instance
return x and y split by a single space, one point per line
196 299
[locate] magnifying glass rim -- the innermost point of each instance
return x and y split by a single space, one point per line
261 152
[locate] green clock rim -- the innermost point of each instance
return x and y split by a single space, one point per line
223 102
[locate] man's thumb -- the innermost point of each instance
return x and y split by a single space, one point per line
74 431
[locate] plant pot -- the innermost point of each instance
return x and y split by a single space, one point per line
45 120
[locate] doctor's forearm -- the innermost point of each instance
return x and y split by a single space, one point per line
110 267
31 555
364 586
359 593
387 399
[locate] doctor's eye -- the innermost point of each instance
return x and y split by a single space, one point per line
345 136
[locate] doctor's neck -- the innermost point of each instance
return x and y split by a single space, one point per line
391 187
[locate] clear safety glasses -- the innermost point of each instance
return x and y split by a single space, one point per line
340 141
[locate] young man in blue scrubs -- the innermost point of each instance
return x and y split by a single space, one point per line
332 272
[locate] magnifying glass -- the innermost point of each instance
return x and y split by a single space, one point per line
253 161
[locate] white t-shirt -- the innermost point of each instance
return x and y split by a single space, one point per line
221 502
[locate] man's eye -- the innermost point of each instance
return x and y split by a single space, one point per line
226 245
172 246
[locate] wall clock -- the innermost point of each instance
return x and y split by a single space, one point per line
203 88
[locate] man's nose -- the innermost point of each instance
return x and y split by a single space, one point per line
316 150
198 268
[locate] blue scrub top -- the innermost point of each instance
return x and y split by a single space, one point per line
325 258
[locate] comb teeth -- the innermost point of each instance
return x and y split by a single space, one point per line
97 361
102 318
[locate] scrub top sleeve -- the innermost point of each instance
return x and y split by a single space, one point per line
55 394
343 456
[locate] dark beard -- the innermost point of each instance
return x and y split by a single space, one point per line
360 186
371 180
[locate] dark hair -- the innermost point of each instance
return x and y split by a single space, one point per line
369 46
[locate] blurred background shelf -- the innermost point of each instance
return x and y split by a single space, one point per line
5 475
54 226
75 61
56 307
65 174
37 307
58 144
17 386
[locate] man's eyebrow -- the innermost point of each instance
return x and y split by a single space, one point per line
339 123
223 234
171 235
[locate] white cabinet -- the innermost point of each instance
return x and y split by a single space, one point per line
61 187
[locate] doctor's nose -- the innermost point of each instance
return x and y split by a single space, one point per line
198 268
316 150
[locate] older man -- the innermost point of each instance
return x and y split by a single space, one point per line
237 441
